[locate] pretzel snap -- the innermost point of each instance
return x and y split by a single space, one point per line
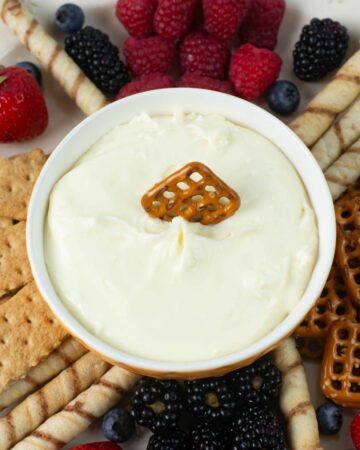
332 305
340 370
347 211
195 193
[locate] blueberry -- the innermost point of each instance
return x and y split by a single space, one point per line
69 18
283 97
118 425
329 418
32 69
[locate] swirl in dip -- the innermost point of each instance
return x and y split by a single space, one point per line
179 291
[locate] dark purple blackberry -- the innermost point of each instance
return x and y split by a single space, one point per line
321 49
210 399
257 428
99 59
175 440
158 404
207 437
256 384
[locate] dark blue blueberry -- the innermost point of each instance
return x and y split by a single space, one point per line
329 418
118 425
283 97
69 18
32 69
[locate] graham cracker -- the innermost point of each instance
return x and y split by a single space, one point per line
17 179
28 333
6 222
15 269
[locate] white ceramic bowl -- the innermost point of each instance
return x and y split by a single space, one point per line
161 102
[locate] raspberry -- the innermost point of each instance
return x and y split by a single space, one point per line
262 23
148 55
23 112
355 431
173 17
205 55
223 17
137 16
192 80
253 70
146 83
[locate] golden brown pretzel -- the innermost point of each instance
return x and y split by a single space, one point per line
195 193
347 211
332 305
312 348
340 370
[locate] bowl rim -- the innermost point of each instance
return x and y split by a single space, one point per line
35 223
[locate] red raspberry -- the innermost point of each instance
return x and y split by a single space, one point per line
252 70
23 112
223 17
137 16
262 23
192 80
146 83
173 17
355 431
98 446
205 55
148 55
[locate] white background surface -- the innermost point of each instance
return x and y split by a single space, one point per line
64 115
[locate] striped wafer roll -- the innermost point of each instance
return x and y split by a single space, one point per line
339 137
295 399
344 171
61 428
58 360
50 399
335 98
86 95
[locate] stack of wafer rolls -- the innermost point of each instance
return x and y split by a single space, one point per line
334 138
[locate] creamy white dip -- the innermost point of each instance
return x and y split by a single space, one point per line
179 291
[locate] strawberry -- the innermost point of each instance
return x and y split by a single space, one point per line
204 54
223 17
98 446
23 112
137 16
192 80
355 431
146 83
262 23
253 70
173 17
148 55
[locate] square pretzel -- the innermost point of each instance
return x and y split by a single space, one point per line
195 193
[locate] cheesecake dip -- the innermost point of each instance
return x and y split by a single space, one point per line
179 291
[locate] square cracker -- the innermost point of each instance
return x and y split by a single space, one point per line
28 333
17 179
15 269
6 222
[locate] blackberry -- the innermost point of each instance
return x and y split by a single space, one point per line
206 437
256 384
99 59
176 440
321 49
158 404
210 399
257 428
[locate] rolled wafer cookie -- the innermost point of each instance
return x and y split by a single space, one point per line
344 171
68 352
335 98
50 399
295 401
80 89
339 137
64 426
